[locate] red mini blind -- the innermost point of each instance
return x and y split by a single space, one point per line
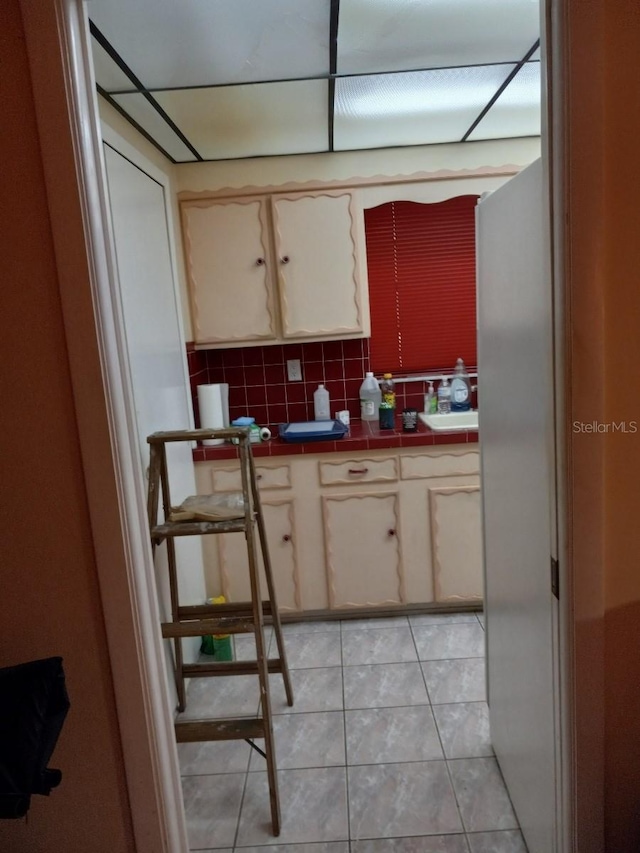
421 260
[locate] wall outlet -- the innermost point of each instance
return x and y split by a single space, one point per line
294 370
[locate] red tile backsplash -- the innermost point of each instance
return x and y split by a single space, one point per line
258 384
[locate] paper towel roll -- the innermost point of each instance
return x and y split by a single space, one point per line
212 409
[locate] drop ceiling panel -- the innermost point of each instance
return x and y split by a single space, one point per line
169 43
517 110
412 108
251 121
108 73
388 35
139 108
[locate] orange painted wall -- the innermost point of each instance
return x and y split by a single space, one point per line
604 233
49 600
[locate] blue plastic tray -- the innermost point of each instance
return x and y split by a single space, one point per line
312 431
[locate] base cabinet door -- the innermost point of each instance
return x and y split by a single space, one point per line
363 549
234 566
456 542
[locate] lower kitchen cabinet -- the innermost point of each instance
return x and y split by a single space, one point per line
456 534
233 563
364 529
362 549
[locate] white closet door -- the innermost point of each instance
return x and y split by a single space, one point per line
157 358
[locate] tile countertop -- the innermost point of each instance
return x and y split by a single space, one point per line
361 436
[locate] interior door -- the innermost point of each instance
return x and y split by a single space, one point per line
516 440
155 347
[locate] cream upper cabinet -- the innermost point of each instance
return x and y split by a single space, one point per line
228 264
278 268
317 262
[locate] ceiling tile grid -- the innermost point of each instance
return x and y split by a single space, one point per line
250 78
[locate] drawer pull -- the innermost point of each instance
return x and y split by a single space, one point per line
358 470
259 476
260 262
285 259
286 538
392 532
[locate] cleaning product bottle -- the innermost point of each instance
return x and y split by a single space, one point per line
370 398
444 397
460 389
434 402
321 406
388 402
430 399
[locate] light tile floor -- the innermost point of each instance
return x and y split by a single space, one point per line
386 750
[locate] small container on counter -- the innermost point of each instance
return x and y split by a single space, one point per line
321 404
409 420
343 417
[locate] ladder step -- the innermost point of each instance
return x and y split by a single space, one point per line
202 730
197 528
236 667
236 608
203 627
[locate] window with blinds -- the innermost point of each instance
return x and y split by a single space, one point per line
422 285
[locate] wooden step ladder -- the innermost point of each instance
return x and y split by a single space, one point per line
229 618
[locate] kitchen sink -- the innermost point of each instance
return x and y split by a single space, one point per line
452 421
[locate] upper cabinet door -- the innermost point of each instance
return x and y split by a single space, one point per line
228 260
317 263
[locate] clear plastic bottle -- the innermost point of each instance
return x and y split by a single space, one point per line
321 405
444 397
460 389
370 398
388 390
429 399
388 402
434 403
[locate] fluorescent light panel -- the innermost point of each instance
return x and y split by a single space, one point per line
517 110
170 43
251 121
413 108
391 35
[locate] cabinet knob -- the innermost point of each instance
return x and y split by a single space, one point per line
285 259
259 476
392 532
358 470
286 538
260 262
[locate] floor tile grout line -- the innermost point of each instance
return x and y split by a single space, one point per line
244 790
455 795
346 755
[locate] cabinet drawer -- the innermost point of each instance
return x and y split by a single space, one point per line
452 464
358 471
229 480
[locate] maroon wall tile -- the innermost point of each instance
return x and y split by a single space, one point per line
258 383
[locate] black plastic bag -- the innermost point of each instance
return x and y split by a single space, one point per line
33 707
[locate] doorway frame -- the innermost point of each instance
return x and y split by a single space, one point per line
68 124
60 63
